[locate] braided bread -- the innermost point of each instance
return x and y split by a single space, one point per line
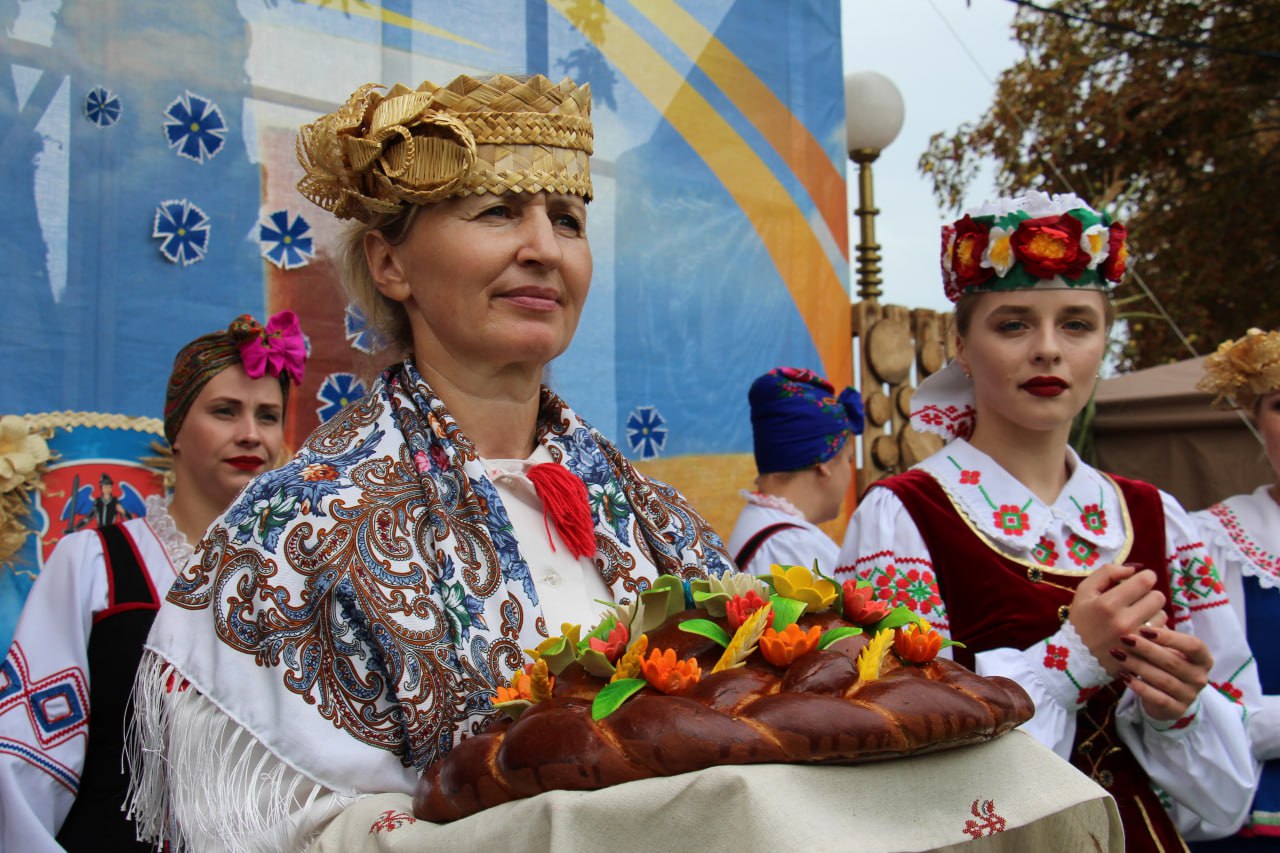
817 710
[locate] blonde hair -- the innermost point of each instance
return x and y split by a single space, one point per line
385 316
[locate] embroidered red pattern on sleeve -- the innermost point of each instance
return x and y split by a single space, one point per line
1194 584
908 581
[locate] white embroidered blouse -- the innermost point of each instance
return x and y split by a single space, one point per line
794 546
1202 761
1243 535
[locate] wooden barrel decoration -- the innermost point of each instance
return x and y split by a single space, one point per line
878 408
890 350
884 452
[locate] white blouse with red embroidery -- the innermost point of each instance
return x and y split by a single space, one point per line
1202 761
1243 535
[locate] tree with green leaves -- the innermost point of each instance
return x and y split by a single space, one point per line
1166 113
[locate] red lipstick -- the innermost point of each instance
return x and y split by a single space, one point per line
245 463
1045 386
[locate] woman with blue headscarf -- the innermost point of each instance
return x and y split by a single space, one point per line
803 433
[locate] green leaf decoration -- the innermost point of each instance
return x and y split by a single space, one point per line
897 617
785 611
611 696
699 585
707 628
514 708
675 594
838 634
949 643
595 663
560 651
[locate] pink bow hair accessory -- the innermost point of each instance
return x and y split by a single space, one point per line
279 349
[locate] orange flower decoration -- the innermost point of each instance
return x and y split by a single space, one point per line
780 649
521 688
917 643
664 672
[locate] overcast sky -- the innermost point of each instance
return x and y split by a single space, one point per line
909 42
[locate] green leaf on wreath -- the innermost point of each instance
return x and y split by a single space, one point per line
612 695
707 628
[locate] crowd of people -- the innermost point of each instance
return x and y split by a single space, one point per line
298 634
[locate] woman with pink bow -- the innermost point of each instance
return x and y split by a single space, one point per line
89 611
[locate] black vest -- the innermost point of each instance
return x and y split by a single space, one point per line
96 821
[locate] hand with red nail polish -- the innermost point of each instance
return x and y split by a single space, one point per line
1111 603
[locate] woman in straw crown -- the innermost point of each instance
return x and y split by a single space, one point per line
1093 592
349 618
1243 535
88 613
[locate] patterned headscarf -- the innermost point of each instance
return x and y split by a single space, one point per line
278 349
798 420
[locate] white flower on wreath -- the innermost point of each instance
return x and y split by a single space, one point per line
1095 241
999 252
21 452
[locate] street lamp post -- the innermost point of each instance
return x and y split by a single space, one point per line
873 117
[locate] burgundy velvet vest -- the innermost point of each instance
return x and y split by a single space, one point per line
995 602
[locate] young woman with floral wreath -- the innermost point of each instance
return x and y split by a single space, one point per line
65 681
1094 592
1243 535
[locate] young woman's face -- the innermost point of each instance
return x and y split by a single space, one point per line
490 280
1269 426
1034 356
233 433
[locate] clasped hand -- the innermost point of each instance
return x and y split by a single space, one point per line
1120 616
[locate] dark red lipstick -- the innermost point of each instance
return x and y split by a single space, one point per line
245 463
1045 386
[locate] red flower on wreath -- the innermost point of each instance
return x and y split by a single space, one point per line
1117 262
1011 519
1055 657
1050 246
1094 518
966 254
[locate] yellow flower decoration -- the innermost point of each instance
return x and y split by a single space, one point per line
799 583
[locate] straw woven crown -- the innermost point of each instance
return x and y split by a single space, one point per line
1244 369
379 152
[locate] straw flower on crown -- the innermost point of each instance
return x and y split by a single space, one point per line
1244 369
1031 241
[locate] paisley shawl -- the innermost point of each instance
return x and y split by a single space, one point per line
356 609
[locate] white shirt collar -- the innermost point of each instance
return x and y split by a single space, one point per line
1007 512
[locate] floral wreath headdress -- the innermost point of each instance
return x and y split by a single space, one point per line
1244 369
1035 241
379 152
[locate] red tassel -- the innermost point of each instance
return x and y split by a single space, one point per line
564 503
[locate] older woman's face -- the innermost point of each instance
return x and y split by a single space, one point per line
489 281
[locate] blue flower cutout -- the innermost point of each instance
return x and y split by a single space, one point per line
102 107
184 229
336 392
646 432
360 334
195 127
285 244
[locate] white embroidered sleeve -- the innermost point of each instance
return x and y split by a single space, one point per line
883 548
1204 762
42 746
215 787
1264 723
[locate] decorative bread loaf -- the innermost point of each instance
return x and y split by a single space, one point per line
858 699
